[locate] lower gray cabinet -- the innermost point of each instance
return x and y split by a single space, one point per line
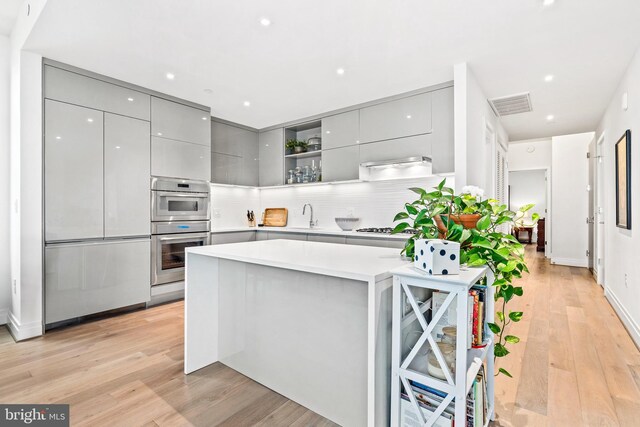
372 241
286 236
179 159
326 238
341 164
91 277
233 237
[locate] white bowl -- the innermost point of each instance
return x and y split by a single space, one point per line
347 224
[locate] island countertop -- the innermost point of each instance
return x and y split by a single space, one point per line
364 263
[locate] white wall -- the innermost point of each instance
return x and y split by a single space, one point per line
530 154
570 199
621 253
5 199
376 203
474 157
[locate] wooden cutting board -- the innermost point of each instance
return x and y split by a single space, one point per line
275 217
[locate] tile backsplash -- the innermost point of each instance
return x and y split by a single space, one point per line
375 202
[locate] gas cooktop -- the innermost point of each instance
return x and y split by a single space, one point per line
384 230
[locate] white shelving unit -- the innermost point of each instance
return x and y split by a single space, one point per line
413 288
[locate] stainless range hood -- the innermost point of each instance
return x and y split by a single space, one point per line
398 162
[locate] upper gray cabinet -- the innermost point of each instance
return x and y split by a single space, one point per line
340 130
341 164
396 119
395 149
74 88
180 122
127 167
73 173
178 159
443 131
271 151
234 155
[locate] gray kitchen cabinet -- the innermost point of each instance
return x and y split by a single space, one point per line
413 146
443 131
286 235
73 172
179 159
396 119
341 130
90 92
91 277
225 168
373 241
326 238
271 155
127 167
180 122
234 155
233 237
341 164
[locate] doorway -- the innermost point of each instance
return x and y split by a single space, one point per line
598 212
530 186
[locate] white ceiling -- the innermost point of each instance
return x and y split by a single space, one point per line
288 70
8 13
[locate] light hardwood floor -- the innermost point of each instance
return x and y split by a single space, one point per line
576 365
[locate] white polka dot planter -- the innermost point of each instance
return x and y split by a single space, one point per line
437 256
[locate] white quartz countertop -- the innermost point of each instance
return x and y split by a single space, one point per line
303 230
365 263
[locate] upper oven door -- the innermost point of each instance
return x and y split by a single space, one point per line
170 206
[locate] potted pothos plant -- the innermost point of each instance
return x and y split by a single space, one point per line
481 227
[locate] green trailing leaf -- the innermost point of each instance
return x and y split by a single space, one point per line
500 350
494 328
400 227
511 339
400 215
505 372
515 316
525 208
518 291
484 222
500 316
422 193
411 209
535 216
441 185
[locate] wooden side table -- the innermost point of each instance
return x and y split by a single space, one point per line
528 230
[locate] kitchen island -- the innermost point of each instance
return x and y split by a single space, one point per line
310 320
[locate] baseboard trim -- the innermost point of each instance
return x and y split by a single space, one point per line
23 332
632 327
570 262
4 315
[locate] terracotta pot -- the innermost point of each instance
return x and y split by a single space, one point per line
466 220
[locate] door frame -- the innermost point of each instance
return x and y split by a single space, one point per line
547 216
599 194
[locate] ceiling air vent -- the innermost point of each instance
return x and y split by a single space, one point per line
512 104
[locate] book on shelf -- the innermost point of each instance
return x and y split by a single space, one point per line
409 418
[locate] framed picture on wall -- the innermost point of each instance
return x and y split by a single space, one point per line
623 181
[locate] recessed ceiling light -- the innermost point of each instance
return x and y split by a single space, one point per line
548 2
130 99
246 103
265 22
159 133
171 76
550 117
266 145
117 147
548 78
328 131
58 137
90 120
340 71
408 116
204 118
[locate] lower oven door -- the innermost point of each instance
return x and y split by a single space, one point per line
168 255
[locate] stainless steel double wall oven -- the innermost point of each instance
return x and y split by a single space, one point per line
179 219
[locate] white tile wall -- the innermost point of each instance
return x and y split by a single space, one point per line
376 203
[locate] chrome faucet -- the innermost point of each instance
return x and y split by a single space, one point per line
312 223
